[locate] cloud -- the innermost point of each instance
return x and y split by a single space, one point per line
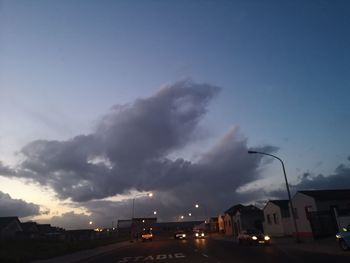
340 179
69 220
16 207
130 148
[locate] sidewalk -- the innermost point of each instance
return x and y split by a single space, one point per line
84 254
326 245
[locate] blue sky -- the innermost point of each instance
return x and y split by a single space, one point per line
282 66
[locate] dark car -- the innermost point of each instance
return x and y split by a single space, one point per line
199 234
252 236
147 235
343 238
180 235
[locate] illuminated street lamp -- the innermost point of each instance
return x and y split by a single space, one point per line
90 222
205 211
181 217
133 202
155 212
287 186
189 214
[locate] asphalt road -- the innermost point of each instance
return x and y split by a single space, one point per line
208 251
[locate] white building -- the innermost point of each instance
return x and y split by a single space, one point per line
317 211
277 220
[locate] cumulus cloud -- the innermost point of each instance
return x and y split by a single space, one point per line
130 149
16 207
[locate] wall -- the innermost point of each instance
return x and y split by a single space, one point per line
300 201
272 228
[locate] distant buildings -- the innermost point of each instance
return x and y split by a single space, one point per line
319 213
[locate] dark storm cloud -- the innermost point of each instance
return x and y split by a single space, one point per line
16 207
340 179
129 149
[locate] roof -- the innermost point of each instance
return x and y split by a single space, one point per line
29 227
340 194
4 221
283 204
231 211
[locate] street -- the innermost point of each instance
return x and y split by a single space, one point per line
166 249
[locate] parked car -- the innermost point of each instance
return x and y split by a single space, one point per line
147 235
252 236
199 234
180 235
343 238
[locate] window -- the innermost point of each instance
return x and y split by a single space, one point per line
268 219
275 218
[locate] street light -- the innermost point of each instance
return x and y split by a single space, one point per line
155 212
287 186
133 202
205 211
189 214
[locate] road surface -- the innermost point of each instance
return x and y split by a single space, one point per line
166 249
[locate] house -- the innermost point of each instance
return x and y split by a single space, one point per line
317 211
221 225
248 217
278 221
30 230
9 227
240 217
213 224
229 217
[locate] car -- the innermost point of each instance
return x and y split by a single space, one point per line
252 236
147 235
199 234
180 235
343 238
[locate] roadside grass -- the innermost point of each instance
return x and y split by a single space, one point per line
18 251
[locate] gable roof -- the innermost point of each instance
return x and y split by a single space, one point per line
321 195
283 204
29 227
4 221
232 210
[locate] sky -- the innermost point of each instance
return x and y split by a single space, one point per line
104 101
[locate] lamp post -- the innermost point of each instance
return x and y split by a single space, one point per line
287 186
133 202
205 211
133 212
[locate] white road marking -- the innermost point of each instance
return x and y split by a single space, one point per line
152 257
204 255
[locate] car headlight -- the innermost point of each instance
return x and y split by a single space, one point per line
183 235
338 236
197 234
202 234
254 238
267 238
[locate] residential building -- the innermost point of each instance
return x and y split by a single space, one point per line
9 227
248 217
277 219
221 223
229 218
316 211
